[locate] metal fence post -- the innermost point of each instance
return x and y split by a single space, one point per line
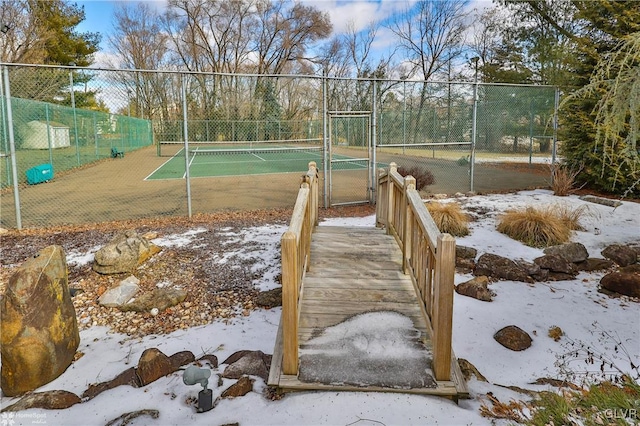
185 130
474 134
325 137
372 147
555 125
73 107
12 148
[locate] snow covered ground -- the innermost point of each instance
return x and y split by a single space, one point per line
575 306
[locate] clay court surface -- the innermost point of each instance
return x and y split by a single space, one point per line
116 189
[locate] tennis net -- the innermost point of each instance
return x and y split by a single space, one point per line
274 147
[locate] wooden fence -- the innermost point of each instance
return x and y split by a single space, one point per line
296 249
428 256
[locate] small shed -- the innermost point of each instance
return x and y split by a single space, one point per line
38 135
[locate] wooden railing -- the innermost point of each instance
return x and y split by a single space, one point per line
296 249
428 256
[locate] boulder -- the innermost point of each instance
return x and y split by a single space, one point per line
243 386
153 364
496 266
625 281
465 258
513 337
39 334
160 298
465 252
270 298
572 252
594 264
533 270
476 288
556 263
49 400
465 265
123 254
120 294
181 358
622 255
211 359
127 377
251 363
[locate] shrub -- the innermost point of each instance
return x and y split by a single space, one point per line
563 179
422 176
535 227
449 218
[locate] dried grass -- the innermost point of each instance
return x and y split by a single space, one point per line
571 217
563 179
535 227
449 218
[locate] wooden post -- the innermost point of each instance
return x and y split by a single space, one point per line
393 167
313 171
407 222
289 303
442 317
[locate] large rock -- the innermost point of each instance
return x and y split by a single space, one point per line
39 333
251 363
243 386
476 288
626 281
513 337
50 400
153 364
120 294
465 252
595 264
123 254
160 298
496 266
622 255
572 252
555 263
270 298
127 377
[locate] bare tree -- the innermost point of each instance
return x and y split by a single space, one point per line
430 36
285 33
23 41
139 43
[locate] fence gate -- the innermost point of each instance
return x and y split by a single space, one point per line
350 157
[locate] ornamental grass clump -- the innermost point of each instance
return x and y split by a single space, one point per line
535 227
571 217
449 218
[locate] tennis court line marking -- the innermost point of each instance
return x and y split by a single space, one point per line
257 156
161 166
193 157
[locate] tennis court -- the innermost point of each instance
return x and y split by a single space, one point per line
217 159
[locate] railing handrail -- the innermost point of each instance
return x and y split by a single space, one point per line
296 250
428 256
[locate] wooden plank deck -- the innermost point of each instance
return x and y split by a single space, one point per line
355 272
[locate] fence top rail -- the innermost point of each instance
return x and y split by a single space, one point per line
310 76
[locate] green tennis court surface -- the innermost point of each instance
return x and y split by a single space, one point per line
212 162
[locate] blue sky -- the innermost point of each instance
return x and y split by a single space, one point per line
99 13
99 17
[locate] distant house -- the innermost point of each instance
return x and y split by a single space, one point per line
41 135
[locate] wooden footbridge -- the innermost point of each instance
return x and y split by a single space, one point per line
367 309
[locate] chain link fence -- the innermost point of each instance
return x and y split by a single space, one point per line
196 142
